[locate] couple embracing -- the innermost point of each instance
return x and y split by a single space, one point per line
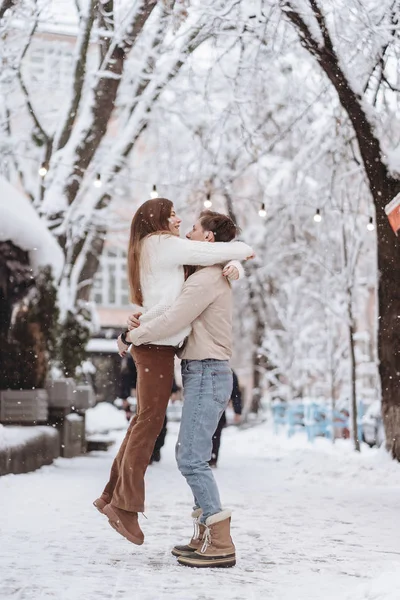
187 310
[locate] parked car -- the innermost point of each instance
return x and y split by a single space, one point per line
372 425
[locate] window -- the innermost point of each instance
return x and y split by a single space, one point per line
111 284
49 63
110 287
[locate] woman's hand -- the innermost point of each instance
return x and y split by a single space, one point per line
122 348
231 273
133 321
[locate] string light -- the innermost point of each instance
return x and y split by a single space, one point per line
317 216
154 193
43 169
262 212
97 182
207 201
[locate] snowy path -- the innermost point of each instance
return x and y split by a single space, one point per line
309 524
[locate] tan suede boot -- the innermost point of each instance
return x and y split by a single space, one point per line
197 537
218 549
125 523
100 503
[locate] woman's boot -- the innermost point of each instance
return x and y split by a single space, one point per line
125 523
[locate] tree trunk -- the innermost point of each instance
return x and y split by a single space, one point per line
91 265
389 331
259 364
353 382
256 293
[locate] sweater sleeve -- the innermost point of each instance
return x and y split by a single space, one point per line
238 265
177 251
197 294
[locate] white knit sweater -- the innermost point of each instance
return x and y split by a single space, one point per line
162 274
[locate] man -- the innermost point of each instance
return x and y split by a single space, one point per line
236 399
206 303
127 384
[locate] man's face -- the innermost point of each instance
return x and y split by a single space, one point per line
198 234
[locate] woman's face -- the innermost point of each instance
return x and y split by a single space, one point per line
174 223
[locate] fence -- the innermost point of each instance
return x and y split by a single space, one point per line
315 419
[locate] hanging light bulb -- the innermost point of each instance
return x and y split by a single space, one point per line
371 225
43 169
154 193
262 212
317 216
97 182
207 201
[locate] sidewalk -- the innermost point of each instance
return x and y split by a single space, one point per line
310 523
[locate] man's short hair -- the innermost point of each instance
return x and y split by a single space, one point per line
222 226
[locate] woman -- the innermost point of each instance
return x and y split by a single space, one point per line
156 257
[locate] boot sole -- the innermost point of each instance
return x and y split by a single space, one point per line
221 563
119 528
178 553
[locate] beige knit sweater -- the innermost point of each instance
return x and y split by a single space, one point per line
205 303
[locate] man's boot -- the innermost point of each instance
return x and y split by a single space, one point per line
217 549
197 538
125 523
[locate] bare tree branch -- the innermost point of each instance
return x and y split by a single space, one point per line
105 93
303 30
79 75
40 134
5 5
382 186
380 62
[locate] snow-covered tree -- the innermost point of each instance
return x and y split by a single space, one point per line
125 55
366 80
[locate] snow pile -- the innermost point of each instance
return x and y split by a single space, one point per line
324 460
20 223
104 418
13 437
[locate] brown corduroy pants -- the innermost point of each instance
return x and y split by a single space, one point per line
155 373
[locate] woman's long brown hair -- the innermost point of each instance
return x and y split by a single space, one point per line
150 218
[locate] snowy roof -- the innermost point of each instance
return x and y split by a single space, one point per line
20 223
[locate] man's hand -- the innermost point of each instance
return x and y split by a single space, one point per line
231 273
251 256
133 321
237 419
122 348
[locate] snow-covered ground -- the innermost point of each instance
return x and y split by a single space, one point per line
310 523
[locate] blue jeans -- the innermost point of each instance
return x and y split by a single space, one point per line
207 386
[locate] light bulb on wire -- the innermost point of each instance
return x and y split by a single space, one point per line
371 225
97 182
262 212
317 216
43 169
154 193
207 201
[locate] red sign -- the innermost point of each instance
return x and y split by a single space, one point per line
393 213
